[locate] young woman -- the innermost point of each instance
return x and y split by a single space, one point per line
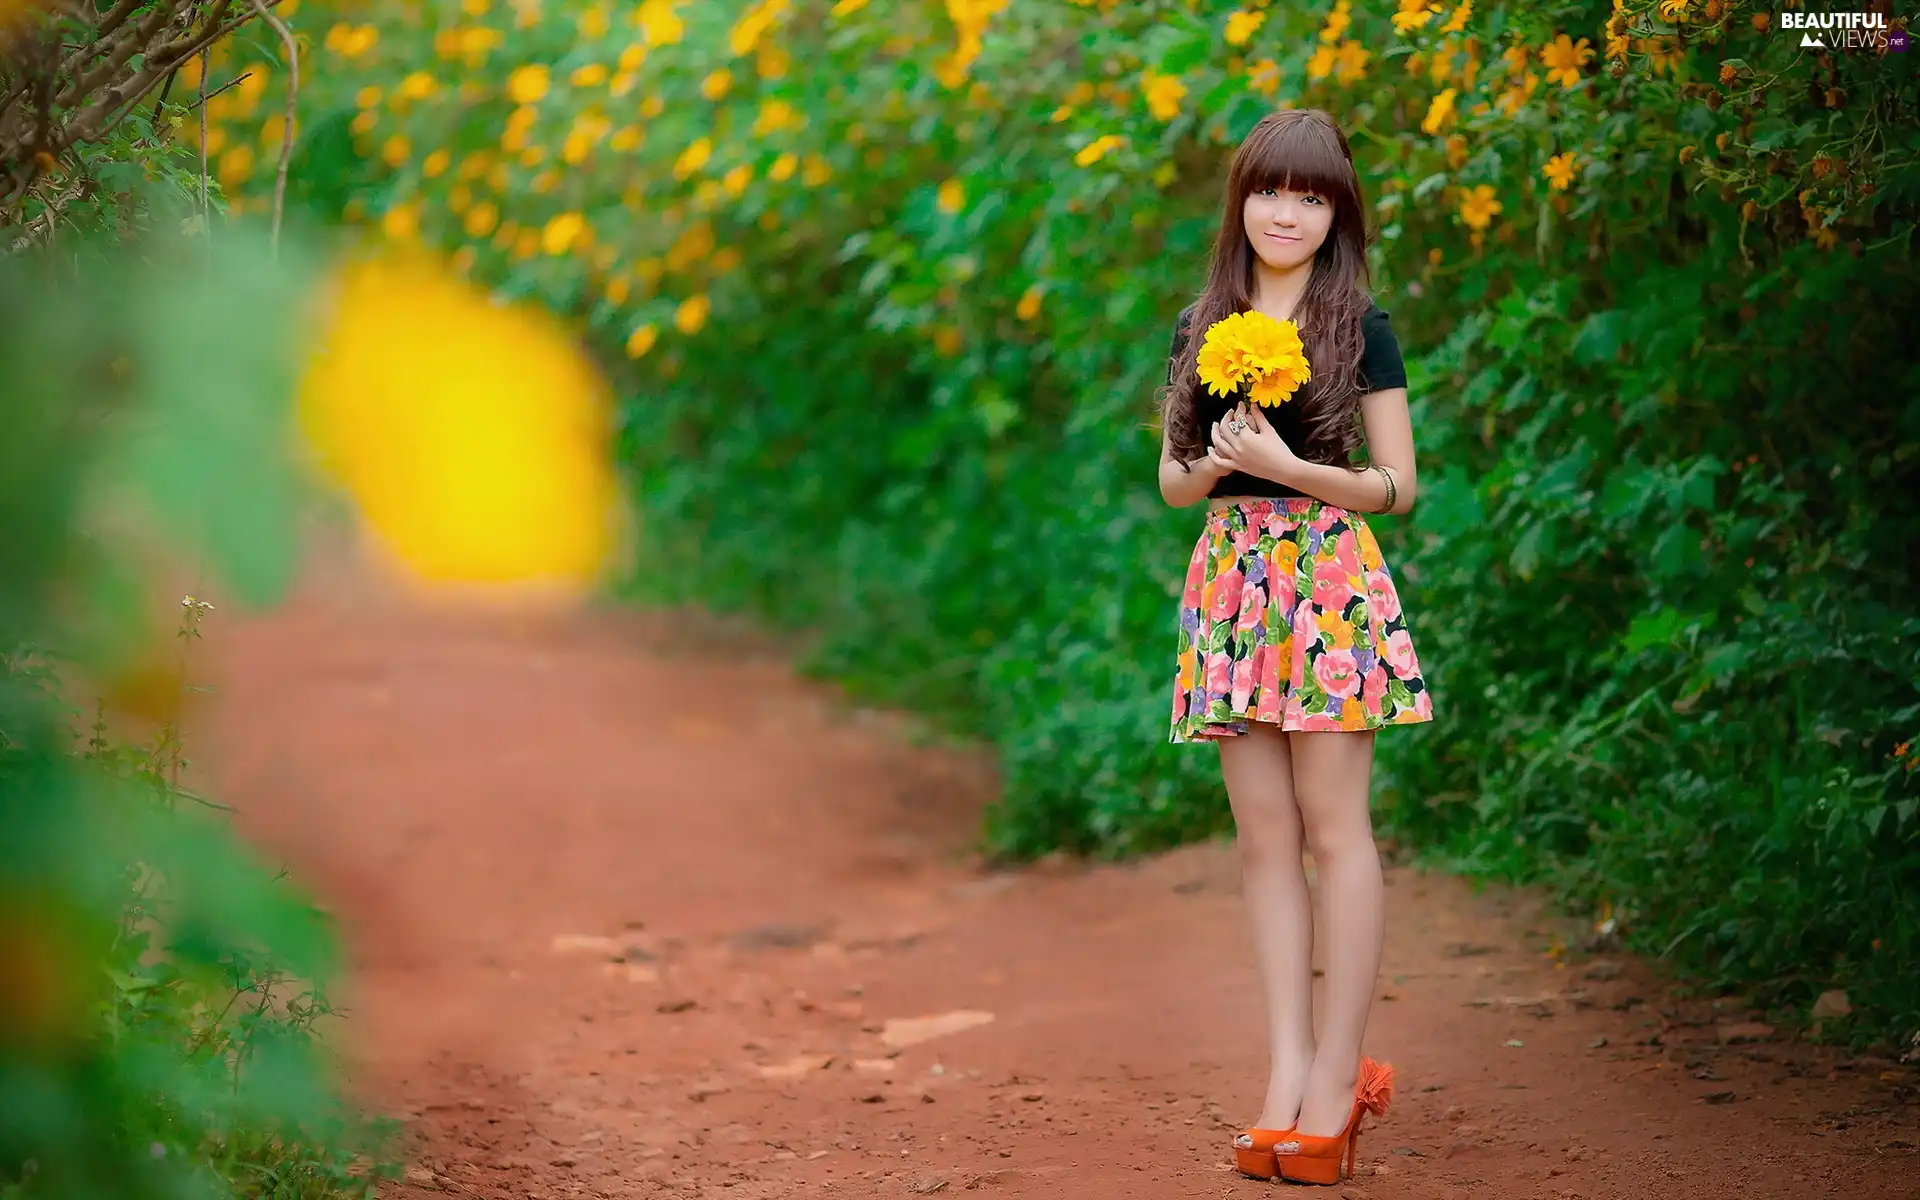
1293 648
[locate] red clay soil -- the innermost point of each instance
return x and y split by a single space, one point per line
634 910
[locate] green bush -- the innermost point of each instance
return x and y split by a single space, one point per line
160 987
897 287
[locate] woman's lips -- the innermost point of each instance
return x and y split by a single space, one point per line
1284 237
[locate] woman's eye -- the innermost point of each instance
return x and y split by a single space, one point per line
1312 199
1269 191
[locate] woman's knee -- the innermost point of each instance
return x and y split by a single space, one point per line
1269 826
1258 769
1336 836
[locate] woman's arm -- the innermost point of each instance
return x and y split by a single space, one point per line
1179 486
1389 429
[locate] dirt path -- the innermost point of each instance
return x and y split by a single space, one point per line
631 907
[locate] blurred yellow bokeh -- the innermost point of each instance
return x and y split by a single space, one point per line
473 437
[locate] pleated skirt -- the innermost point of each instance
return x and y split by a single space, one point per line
1290 616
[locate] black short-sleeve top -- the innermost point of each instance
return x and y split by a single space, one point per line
1381 367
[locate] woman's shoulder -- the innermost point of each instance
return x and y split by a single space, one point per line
1376 328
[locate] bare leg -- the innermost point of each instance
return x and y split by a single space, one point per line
1332 772
1258 770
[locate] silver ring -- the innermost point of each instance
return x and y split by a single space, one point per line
1237 425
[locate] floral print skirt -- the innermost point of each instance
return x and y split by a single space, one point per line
1290 616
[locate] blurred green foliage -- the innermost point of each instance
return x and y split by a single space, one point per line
160 987
898 283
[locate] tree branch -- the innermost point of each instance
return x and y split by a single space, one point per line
286 125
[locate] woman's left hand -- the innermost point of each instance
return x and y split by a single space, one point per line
1256 448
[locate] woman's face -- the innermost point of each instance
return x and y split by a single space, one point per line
1287 228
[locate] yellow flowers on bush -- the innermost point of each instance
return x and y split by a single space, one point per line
480 220
1413 14
234 166
563 232
1162 93
401 223
1029 306
753 25
1334 29
970 18
474 439
528 84
1346 62
417 86
691 316
1478 206
1253 350
732 151
693 158
1564 59
1241 27
351 41
659 24
774 116
1099 148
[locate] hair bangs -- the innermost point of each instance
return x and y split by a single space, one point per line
1300 154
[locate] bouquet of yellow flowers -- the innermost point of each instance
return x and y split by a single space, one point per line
1253 348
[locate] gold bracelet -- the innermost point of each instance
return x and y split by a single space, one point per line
1393 492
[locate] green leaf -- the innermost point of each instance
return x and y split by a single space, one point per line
1186 54
1533 546
1658 628
1675 551
1599 338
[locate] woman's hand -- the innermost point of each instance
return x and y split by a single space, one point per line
1254 448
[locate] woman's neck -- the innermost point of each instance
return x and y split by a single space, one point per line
1277 291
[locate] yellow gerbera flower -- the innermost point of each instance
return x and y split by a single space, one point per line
1253 349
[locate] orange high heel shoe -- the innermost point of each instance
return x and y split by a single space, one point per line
1253 1152
1304 1158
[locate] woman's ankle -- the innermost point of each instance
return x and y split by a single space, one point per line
1286 1086
1327 1099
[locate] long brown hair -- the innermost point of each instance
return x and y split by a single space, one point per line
1298 150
